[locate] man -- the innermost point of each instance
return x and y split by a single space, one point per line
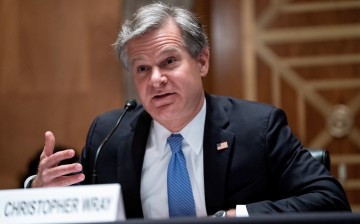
240 156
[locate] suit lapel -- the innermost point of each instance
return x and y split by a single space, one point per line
216 157
131 153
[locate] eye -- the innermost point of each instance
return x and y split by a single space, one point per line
169 61
142 68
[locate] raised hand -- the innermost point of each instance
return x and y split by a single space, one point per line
50 174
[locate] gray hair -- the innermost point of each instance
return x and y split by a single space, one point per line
153 16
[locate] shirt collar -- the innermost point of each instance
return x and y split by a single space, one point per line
193 133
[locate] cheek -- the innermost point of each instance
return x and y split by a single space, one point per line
195 81
140 87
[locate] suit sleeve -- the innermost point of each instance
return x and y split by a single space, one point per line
86 153
301 183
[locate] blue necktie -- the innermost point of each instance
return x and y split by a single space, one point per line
180 196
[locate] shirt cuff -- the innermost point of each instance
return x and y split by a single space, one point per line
28 181
241 211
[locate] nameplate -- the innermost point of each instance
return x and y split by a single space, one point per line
75 204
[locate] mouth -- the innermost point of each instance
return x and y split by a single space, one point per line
162 96
163 99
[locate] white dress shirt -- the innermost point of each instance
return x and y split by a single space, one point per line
154 196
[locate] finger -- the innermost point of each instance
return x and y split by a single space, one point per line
49 143
49 175
66 180
55 159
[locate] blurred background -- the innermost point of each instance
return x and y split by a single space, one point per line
58 71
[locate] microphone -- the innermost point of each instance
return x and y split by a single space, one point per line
129 105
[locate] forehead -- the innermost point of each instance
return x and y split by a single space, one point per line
168 36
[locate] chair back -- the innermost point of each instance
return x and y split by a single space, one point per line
322 155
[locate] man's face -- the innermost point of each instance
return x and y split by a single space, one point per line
168 80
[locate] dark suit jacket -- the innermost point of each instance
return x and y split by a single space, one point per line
263 167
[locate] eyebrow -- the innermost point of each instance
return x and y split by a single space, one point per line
133 60
166 50
169 49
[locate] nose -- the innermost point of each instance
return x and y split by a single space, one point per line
157 78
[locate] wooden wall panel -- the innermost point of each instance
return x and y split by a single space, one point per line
313 48
57 71
226 50
304 58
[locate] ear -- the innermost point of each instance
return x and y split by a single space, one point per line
203 60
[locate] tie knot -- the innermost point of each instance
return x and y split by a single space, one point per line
175 142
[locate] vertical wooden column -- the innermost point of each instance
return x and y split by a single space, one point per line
247 19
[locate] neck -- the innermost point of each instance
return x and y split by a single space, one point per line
178 124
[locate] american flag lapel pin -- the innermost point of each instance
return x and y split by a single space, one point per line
222 145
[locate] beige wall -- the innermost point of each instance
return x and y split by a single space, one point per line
57 71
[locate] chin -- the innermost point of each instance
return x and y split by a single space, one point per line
165 116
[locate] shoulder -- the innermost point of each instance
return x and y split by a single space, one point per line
243 113
111 117
236 105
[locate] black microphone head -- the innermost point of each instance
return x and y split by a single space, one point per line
130 104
